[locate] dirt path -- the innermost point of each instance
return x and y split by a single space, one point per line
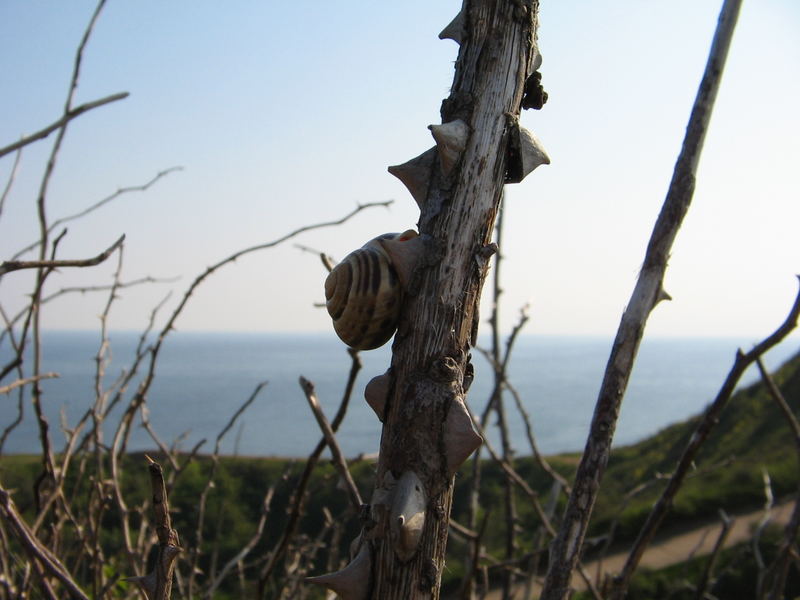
675 549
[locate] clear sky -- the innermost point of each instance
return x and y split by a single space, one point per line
288 113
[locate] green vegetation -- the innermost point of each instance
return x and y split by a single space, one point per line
735 575
752 438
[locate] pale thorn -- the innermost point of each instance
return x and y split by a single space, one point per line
451 140
533 153
352 582
460 437
405 253
376 392
455 30
661 296
147 583
416 175
407 517
530 154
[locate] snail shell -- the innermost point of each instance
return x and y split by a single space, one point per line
363 294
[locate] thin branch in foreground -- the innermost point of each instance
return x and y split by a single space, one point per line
37 552
705 579
20 382
701 433
10 183
330 438
16 265
778 571
157 585
198 537
99 204
246 549
65 118
533 496
327 259
170 325
649 290
84 290
300 489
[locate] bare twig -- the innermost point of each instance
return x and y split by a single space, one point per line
10 183
20 382
144 386
537 455
702 586
300 489
15 265
778 571
701 433
246 549
90 209
533 496
60 123
647 293
157 585
327 260
36 550
766 518
330 438
198 541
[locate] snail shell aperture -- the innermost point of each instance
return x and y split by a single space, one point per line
364 292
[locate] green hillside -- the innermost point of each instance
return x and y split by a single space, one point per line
752 438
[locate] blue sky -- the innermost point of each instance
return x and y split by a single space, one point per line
283 114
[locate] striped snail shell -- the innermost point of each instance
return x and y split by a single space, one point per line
364 292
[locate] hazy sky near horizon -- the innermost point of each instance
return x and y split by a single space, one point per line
284 114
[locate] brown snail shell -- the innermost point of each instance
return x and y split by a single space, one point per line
363 293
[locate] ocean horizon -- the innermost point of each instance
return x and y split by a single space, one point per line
202 378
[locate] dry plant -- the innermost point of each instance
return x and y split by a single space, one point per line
58 545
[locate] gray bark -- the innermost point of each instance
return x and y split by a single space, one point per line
440 316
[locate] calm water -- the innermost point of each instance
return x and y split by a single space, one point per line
202 378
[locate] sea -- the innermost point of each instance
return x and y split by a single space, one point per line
201 380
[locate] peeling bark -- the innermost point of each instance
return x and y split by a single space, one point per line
440 315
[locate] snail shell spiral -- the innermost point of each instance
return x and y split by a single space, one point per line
363 294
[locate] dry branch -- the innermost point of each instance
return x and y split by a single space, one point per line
246 549
100 203
299 494
705 578
60 123
647 293
38 553
198 538
330 438
439 319
778 571
701 433
10 183
15 265
157 585
20 382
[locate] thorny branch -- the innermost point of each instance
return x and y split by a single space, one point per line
701 433
330 439
157 585
99 204
647 293
20 382
37 552
15 265
299 494
778 571
68 116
